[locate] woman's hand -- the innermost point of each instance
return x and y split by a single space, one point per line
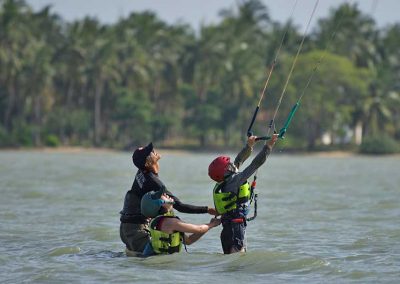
214 222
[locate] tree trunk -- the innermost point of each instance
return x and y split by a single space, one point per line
358 132
312 135
38 120
203 140
10 105
97 113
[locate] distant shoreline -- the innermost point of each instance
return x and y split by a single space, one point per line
79 149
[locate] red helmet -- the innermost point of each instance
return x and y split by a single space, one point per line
217 168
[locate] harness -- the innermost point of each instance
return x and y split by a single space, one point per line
164 243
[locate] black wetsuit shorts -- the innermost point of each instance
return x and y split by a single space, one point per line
233 236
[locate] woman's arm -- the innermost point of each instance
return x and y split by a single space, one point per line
171 225
187 208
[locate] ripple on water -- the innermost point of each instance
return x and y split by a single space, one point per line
357 274
104 254
63 250
32 194
356 245
260 262
8 216
255 262
99 233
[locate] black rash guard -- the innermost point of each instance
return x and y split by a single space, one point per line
143 183
235 180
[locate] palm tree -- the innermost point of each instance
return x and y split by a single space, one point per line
326 105
12 42
45 35
356 37
229 68
354 33
377 109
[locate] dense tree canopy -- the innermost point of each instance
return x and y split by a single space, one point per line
141 79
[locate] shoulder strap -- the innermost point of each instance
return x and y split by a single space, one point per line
219 186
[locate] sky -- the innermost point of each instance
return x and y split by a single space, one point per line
196 12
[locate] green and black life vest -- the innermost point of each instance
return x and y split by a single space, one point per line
227 201
164 243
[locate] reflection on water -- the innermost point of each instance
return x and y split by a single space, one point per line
319 220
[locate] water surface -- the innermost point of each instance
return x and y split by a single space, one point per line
320 220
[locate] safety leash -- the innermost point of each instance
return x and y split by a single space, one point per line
253 197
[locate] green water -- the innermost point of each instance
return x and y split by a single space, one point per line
320 220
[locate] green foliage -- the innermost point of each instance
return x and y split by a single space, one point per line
68 123
143 79
4 138
52 141
291 142
382 144
22 134
134 114
79 122
325 105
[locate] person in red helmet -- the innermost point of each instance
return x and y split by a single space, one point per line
231 193
134 228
